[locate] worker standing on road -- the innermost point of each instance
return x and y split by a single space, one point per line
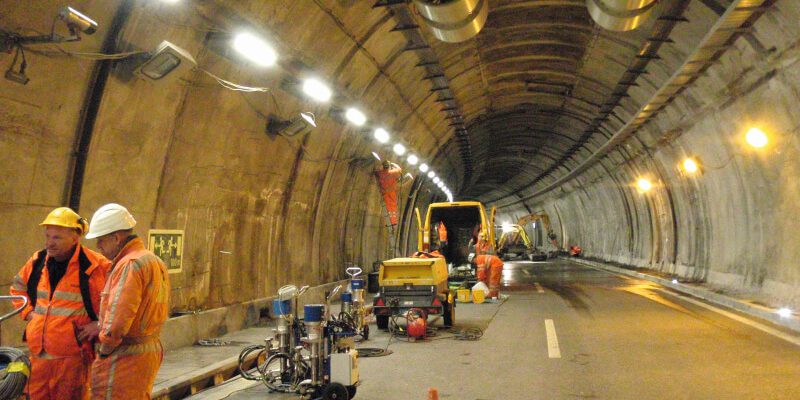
63 283
489 270
388 176
133 309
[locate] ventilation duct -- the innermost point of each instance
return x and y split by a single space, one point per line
453 20
620 15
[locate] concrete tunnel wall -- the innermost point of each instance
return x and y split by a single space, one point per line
734 226
258 211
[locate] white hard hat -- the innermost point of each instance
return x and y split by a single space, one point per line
110 218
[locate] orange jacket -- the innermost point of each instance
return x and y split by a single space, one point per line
135 300
442 231
51 328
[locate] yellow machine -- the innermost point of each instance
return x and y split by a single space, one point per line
413 283
509 243
422 282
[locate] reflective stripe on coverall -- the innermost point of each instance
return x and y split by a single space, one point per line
132 312
489 271
387 180
59 370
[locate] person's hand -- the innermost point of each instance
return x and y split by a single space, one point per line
89 331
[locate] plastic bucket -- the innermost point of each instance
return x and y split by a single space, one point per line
463 295
478 296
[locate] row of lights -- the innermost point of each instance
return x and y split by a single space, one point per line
754 137
262 54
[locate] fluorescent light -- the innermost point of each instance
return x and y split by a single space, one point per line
436 180
431 174
377 157
399 149
255 49
440 184
785 312
423 167
412 159
355 116
381 135
690 165
317 90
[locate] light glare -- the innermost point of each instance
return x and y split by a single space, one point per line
317 90
644 185
355 116
690 165
785 312
255 49
756 137
412 159
436 180
381 135
423 167
399 149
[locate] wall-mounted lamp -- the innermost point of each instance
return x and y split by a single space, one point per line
303 123
644 185
166 59
690 166
756 138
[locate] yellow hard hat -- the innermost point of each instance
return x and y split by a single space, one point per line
64 216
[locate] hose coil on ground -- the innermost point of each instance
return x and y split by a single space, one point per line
15 374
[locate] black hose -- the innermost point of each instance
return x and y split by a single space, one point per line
17 369
248 374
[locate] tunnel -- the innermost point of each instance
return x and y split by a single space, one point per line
659 138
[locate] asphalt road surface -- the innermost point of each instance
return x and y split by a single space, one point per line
571 332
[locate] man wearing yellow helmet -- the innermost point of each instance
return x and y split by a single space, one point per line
62 283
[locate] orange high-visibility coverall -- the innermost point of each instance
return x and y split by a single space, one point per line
132 311
490 269
442 231
387 180
59 370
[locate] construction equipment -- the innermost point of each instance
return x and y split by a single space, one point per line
353 307
514 241
413 283
16 365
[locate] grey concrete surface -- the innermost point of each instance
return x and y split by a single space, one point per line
618 338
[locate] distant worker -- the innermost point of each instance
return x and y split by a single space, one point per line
482 247
388 176
63 283
132 312
575 250
441 232
489 270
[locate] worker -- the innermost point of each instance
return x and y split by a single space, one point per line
575 250
489 270
482 247
132 311
63 283
388 176
441 231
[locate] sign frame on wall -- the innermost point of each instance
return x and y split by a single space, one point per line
172 255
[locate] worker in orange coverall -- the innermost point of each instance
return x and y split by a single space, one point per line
61 322
132 311
388 176
489 271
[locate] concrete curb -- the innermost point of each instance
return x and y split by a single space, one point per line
754 310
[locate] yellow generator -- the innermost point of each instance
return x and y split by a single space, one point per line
413 283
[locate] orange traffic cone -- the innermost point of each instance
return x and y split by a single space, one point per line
433 394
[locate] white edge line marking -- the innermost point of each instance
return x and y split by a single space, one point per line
552 339
538 287
774 332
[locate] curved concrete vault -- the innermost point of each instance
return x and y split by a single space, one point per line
542 110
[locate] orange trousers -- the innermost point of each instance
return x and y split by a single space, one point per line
128 373
491 277
58 378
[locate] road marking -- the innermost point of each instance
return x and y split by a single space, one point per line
764 328
552 339
538 287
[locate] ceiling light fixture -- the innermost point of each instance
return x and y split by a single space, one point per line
355 116
399 149
317 90
381 135
255 49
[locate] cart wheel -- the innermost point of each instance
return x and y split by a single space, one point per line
365 334
335 391
382 321
351 391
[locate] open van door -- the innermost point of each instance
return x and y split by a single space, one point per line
422 233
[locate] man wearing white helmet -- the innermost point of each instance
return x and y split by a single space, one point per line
132 311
